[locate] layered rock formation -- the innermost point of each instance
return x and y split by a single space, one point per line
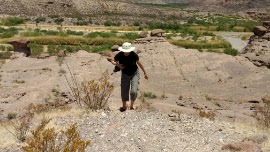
258 48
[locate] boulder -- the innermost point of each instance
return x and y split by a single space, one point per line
20 45
259 30
107 54
115 48
266 24
61 53
157 33
143 34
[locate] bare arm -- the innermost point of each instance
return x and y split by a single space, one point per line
115 63
141 66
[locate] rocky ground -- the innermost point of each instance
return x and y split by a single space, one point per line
149 131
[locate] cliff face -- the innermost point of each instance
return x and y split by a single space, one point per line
258 48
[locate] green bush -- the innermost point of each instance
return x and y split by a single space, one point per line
11 116
69 32
100 48
149 95
59 21
130 36
110 23
101 34
40 19
49 32
136 23
5 55
12 21
36 49
7 35
231 51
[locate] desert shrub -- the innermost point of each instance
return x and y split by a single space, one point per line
20 127
210 115
81 23
48 106
246 36
262 113
231 51
110 23
59 21
11 116
36 49
49 140
49 32
94 94
100 48
40 19
12 21
5 55
130 36
69 32
7 35
101 34
30 33
136 23
208 34
62 34
149 95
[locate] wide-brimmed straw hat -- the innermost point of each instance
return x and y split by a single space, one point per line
126 47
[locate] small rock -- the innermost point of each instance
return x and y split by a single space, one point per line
266 24
157 33
115 48
259 30
143 34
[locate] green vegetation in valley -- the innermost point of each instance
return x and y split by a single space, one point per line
12 21
9 32
225 23
170 5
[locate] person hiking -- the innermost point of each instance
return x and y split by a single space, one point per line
127 61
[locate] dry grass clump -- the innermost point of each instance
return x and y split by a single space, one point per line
262 113
93 94
20 127
48 140
39 108
210 115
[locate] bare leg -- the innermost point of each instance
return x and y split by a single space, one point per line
124 104
131 104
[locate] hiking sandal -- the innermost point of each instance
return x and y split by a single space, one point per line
122 109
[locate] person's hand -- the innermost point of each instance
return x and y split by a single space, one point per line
146 76
121 66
